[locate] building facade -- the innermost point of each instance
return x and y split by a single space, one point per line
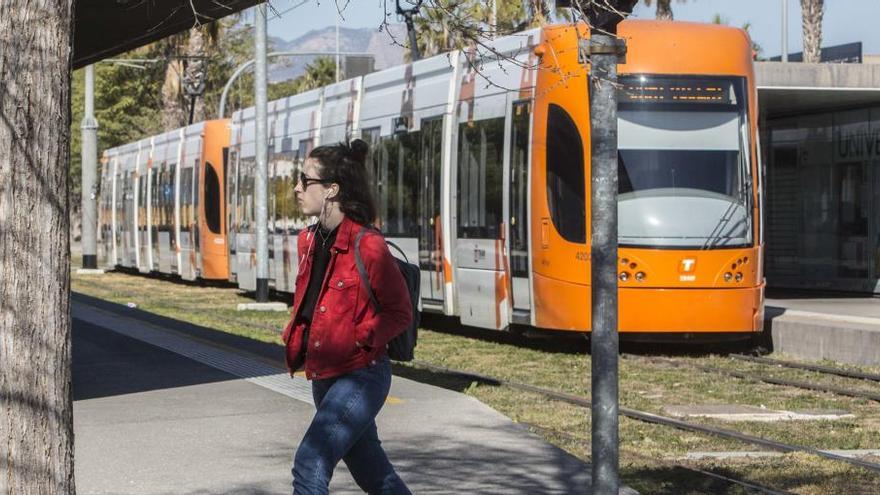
821 150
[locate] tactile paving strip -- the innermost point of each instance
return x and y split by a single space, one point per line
251 370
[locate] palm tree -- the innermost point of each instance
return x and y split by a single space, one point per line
811 15
444 25
320 72
664 9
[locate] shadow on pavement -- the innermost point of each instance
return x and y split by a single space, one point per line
106 364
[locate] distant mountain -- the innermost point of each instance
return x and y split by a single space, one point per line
380 44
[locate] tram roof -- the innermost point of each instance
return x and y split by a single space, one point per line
104 28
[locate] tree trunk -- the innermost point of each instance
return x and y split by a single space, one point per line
664 10
172 113
538 13
811 13
36 427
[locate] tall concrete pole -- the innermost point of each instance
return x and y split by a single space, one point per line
784 31
604 52
493 23
261 196
89 204
337 47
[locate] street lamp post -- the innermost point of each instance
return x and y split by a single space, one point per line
89 174
193 81
262 158
411 27
605 51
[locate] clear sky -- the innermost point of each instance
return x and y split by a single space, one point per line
845 20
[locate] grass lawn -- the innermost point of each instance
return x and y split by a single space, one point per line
650 455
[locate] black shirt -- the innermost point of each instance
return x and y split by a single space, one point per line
323 242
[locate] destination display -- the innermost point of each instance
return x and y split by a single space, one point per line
641 89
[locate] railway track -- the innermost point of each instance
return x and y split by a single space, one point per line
756 377
808 367
749 485
655 418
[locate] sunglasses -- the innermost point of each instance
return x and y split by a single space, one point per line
306 181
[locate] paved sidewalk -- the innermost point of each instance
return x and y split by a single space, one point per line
855 307
164 411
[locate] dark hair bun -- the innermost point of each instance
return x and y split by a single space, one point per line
359 149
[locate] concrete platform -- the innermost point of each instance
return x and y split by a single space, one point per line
89 271
266 306
846 330
737 412
170 409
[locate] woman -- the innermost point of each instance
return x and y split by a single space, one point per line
334 331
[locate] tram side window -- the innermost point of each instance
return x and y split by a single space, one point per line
170 199
232 200
305 147
398 175
372 136
194 208
185 199
164 199
128 195
276 192
480 178
519 182
246 171
565 175
154 200
195 185
142 202
212 198
288 217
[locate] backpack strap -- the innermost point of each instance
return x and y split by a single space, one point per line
362 271
395 246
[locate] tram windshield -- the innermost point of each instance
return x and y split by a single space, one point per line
684 165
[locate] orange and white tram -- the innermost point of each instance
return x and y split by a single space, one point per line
162 203
480 160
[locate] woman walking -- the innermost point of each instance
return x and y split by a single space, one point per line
334 330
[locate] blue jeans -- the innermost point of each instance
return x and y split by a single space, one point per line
344 427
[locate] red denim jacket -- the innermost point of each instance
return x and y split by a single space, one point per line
346 332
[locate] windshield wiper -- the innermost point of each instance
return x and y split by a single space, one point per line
716 232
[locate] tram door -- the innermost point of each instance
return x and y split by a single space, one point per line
517 210
430 232
482 283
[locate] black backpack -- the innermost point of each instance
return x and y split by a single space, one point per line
401 347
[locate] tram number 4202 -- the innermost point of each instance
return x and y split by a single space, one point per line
582 256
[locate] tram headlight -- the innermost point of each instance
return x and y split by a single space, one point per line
640 276
728 276
739 277
624 276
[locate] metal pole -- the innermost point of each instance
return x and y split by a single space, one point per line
413 42
262 139
604 50
89 172
337 47
784 31
493 25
